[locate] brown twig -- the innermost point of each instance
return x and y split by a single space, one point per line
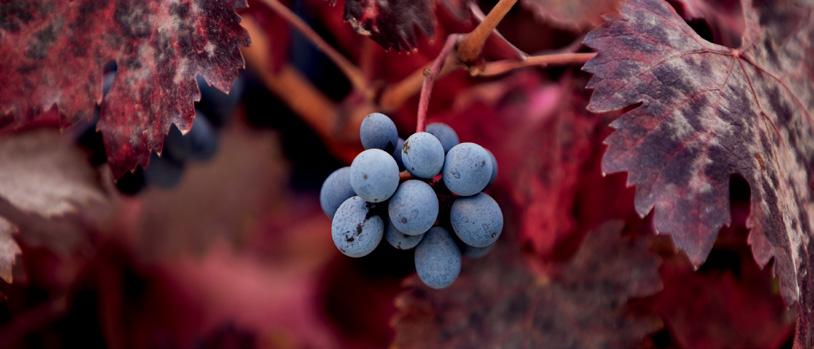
356 77
480 16
394 95
500 67
460 50
320 113
438 69
466 49
472 43
287 83
429 79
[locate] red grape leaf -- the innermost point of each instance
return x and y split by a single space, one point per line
723 17
706 112
499 302
545 119
572 15
8 249
394 24
722 309
53 52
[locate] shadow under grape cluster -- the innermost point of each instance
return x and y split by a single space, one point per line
413 193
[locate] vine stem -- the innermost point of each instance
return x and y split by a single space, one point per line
478 13
356 77
394 95
430 75
472 43
466 48
500 67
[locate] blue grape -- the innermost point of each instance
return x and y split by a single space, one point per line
378 132
200 143
467 169
355 233
477 220
218 105
164 172
374 175
423 155
335 190
476 252
400 240
494 167
445 134
437 259
397 153
414 207
131 183
107 81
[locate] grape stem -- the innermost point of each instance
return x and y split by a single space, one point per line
467 49
503 66
395 95
471 44
356 77
430 75
480 16
287 83
459 51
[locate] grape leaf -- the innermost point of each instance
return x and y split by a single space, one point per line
724 18
44 178
53 53
569 14
8 249
544 119
705 112
722 309
45 174
394 24
499 302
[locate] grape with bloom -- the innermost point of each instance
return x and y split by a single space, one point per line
371 201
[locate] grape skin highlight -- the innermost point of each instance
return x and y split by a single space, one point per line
414 207
423 155
477 220
374 175
378 132
467 169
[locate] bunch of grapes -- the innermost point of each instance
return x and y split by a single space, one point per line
373 199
